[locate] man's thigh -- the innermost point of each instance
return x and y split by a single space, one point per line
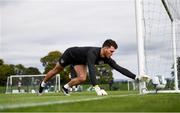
81 70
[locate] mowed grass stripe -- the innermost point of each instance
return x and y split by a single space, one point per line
20 105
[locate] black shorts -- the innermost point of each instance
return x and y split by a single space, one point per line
65 59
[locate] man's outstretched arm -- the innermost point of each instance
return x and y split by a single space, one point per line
120 69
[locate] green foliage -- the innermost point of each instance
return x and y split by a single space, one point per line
50 60
32 71
65 75
19 69
10 69
104 72
178 67
5 71
1 62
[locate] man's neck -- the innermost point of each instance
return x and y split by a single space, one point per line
102 52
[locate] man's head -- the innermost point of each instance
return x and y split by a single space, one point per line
108 48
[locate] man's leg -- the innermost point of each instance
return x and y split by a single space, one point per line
58 68
81 71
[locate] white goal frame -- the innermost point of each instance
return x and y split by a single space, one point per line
141 50
9 81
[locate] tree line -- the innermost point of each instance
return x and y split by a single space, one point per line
11 69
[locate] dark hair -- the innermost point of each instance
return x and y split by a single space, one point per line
109 43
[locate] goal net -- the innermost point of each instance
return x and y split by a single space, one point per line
30 84
161 33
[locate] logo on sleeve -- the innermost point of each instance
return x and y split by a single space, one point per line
62 61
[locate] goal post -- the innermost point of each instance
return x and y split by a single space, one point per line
30 84
140 42
158 29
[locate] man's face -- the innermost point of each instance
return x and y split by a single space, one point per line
109 51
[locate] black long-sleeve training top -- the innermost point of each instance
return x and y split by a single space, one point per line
90 56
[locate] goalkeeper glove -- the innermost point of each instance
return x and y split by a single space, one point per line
143 78
100 91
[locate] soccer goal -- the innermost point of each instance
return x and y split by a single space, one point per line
30 84
158 34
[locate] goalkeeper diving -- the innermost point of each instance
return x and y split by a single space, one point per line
83 58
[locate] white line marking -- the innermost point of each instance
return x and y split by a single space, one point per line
2 107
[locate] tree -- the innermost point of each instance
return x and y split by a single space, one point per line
65 75
1 62
32 71
10 69
50 60
19 69
178 69
104 73
5 71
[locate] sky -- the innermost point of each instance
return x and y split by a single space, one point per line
30 29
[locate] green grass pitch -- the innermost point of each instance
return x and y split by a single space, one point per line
116 101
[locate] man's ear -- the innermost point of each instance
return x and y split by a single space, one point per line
106 47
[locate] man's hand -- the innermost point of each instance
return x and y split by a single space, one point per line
100 91
143 78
